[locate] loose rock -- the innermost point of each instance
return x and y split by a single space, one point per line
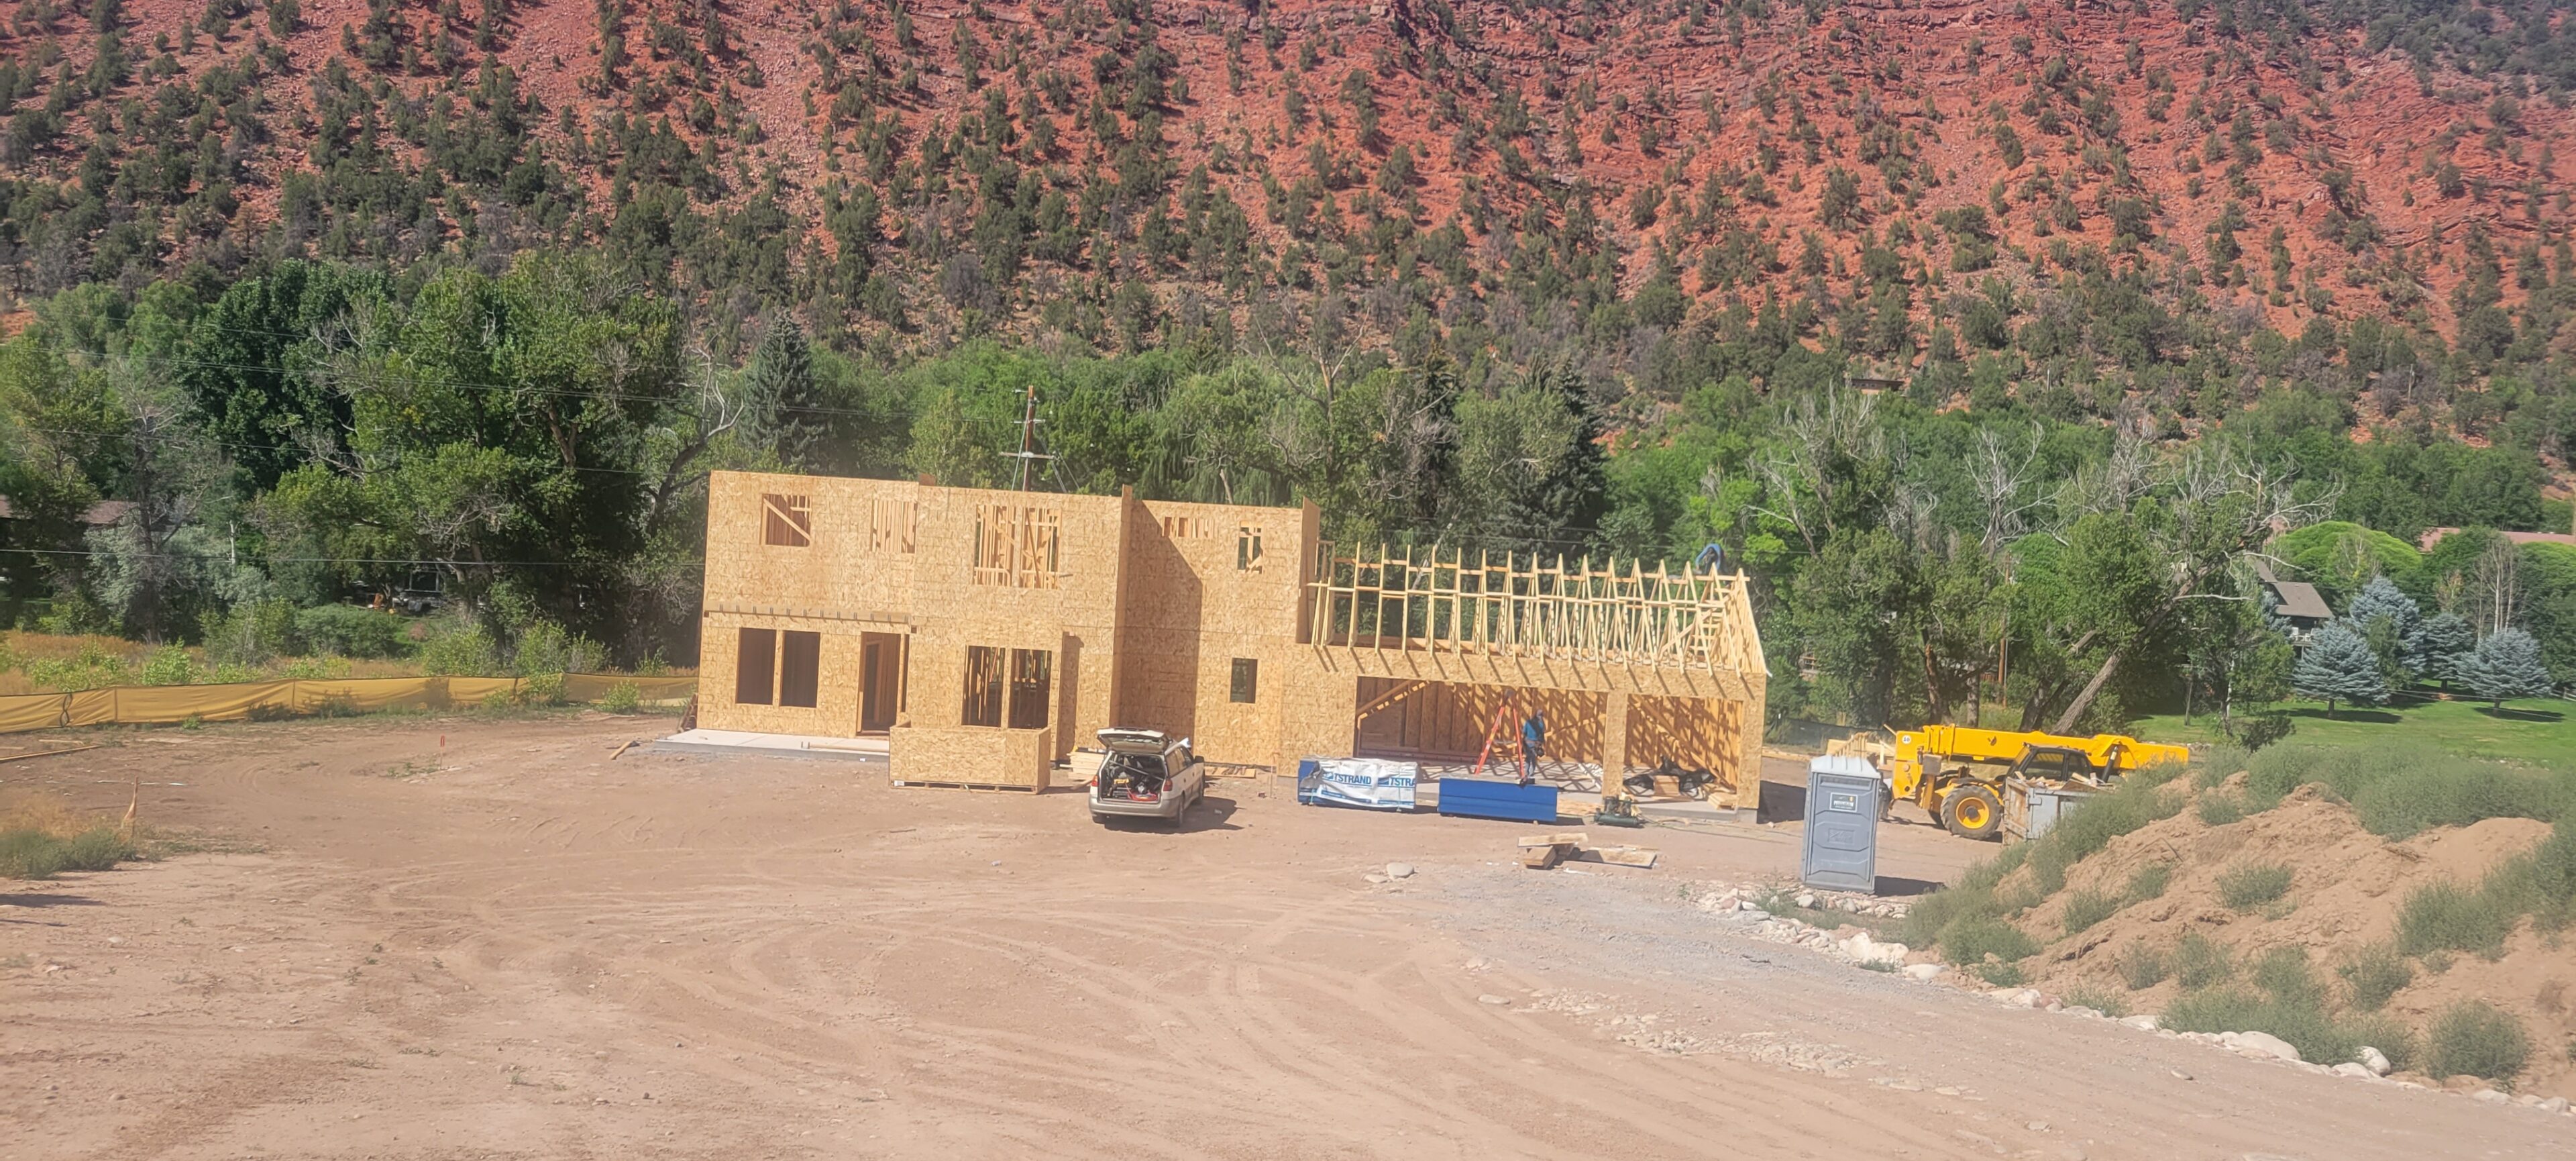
1399 870
2259 1044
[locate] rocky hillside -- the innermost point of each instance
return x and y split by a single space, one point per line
1488 172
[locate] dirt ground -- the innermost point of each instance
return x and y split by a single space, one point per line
2343 897
474 939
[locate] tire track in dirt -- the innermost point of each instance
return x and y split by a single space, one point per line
528 951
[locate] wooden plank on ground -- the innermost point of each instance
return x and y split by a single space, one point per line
49 753
1562 838
1546 857
1619 856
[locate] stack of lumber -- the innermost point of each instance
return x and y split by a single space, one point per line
1544 851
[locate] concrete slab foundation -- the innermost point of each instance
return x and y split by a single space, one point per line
705 741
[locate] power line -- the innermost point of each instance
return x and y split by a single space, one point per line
408 561
453 382
239 446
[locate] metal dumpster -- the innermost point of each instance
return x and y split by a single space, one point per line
2032 807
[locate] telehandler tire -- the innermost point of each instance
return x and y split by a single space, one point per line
1972 811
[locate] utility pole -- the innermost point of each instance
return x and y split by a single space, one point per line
1028 452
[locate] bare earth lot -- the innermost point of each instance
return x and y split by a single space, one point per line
516 948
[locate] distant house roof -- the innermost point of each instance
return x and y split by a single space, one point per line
99 515
2299 601
2433 536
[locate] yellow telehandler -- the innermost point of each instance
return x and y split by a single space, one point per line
1964 776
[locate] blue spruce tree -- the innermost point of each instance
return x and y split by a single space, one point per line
2338 666
2388 619
2506 664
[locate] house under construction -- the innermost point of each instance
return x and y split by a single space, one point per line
987 634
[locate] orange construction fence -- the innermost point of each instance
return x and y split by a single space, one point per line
172 704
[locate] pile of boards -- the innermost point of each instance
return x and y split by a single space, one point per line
1540 852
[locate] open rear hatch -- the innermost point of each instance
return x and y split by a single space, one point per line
1134 769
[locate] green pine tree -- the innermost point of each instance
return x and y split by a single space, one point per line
2437 645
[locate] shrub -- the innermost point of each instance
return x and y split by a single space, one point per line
621 698
171 665
457 649
95 849
2287 1001
542 689
2284 973
351 631
2374 974
2141 967
315 668
1972 896
2087 907
545 647
2000 974
2199 961
2212 764
36 853
2149 882
2253 884
2447 917
2137 801
2553 866
92 668
2399 790
2474 1038
2100 1001
2220 809
2303 1023
252 633
1971 941
2393 1039
2459 792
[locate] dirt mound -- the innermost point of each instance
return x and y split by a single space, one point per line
2345 888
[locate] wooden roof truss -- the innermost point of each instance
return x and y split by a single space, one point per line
1520 606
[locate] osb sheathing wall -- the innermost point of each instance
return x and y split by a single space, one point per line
1075 616
836 712
838 585
974 756
1197 598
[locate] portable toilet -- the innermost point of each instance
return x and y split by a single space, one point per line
1841 851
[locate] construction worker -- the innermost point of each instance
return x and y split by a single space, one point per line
1533 738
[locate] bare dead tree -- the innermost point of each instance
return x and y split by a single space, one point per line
2494 591
2114 485
1844 427
2002 478
706 414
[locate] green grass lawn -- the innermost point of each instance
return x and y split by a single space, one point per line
2532 732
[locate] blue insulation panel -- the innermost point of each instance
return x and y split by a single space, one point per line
1478 798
